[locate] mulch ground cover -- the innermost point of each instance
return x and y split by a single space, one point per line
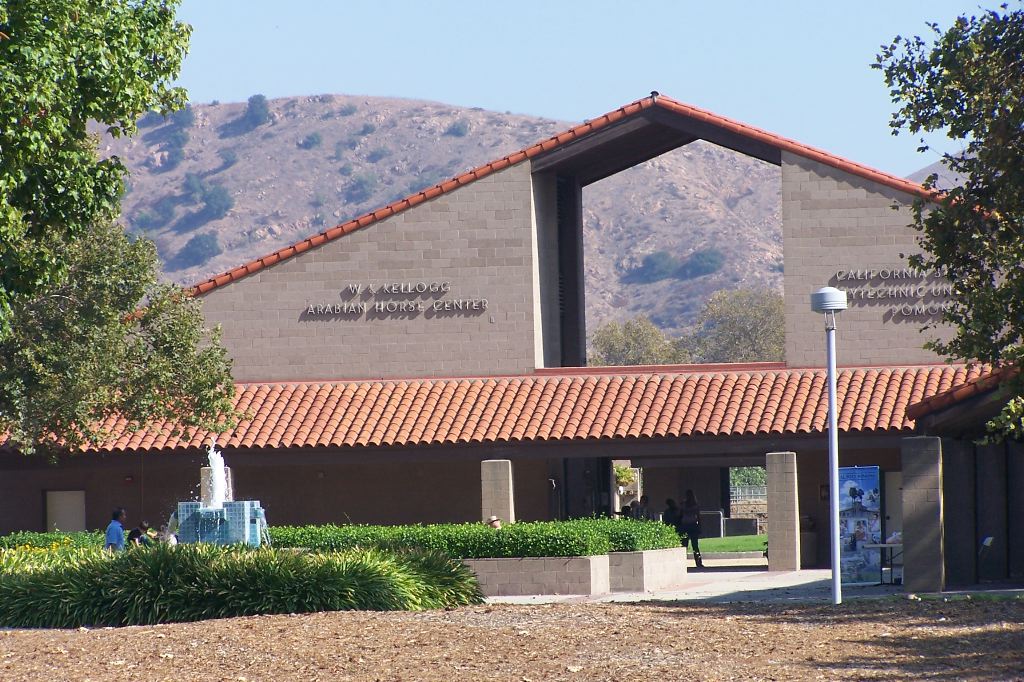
885 639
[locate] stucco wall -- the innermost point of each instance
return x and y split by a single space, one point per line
835 223
478 239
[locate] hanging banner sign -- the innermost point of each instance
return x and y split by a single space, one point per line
860 524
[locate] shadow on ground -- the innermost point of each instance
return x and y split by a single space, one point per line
956 637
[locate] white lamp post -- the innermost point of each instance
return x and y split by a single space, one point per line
829 300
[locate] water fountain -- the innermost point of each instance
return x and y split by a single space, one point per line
216 517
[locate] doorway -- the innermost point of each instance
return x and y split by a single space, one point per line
65 510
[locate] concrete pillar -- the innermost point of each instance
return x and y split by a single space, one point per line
206 486
924 568
496 498
783 512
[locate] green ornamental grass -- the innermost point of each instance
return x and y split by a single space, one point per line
72 587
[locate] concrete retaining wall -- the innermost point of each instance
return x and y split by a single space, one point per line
542 575
658 569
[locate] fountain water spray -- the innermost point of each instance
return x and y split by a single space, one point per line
217 517
218 477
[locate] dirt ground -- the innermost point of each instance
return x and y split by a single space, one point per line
891 638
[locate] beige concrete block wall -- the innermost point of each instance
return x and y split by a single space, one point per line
832 222
478 238
542 575
783 512
924 567
647 571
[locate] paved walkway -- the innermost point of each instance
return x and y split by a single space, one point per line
732 580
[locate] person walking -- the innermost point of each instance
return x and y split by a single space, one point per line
689 523
671 514
114 538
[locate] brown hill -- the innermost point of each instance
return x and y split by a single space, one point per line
318 161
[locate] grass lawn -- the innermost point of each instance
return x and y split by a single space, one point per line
736 543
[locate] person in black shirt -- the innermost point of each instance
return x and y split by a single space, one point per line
139 535
689 523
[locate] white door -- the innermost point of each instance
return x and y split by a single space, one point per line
893 502
65 510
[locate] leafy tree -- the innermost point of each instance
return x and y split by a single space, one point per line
747 476
634 342
347 110
739 326
366 129
81 351
257 111
967 82
378 154
62 64
198 250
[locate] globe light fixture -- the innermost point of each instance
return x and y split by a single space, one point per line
829 300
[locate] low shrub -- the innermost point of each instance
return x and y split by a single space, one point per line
198 250
361 187
177 139
654 268
51 540
184 118
159 214
458 128
701 262
150 118
164 584
310 141
228 157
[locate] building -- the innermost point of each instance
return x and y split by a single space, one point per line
384 359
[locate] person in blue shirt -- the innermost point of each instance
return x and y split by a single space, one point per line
115 531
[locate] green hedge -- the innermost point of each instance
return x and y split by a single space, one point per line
583 537
626 535
89 586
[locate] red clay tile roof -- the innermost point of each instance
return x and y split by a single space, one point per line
549 144
616 404
984 381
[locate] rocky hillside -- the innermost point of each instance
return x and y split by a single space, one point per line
223 183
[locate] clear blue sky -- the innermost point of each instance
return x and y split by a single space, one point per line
797 68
